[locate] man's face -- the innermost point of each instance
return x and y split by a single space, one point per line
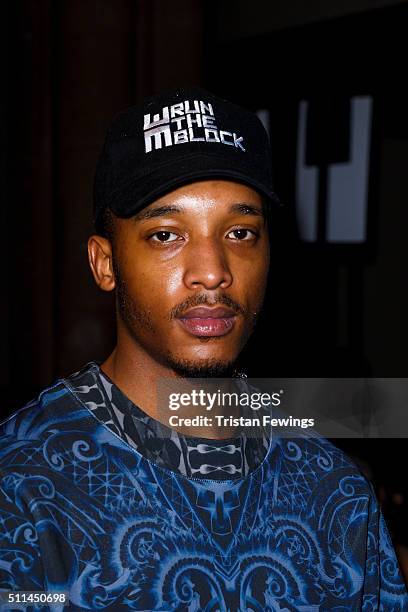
204 245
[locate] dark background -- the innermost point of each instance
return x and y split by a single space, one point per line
69 65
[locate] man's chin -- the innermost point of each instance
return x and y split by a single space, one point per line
202 369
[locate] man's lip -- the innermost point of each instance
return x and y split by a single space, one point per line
201 312
209 327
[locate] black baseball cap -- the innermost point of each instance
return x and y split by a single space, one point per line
175 138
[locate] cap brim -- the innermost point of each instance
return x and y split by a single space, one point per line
140 191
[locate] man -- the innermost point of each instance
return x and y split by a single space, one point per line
104 501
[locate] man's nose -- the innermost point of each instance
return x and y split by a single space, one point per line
206 265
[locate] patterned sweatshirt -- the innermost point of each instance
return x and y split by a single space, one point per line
98 501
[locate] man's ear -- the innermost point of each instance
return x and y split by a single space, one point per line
100 260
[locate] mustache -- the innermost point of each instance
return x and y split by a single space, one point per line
201 300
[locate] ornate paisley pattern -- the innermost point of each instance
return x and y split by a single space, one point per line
217 459
83 511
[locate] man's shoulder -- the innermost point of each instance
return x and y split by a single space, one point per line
320 454
55 405
314 468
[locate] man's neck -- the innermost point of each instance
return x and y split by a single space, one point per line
138 375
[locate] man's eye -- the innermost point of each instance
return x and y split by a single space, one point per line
164 237
242 234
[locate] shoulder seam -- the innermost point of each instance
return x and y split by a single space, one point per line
31 403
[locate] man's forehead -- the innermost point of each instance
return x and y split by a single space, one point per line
214 195
182 208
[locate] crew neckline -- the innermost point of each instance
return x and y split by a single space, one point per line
94 368
169 429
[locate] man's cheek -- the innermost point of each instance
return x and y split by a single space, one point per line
172 282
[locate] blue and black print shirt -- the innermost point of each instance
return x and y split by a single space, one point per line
97 503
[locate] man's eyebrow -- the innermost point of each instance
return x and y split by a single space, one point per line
161 211
246 209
